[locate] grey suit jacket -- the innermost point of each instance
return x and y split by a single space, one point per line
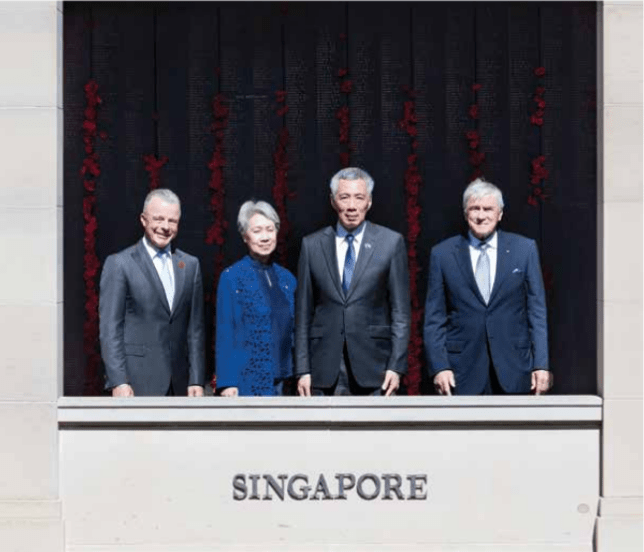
373 318
143 341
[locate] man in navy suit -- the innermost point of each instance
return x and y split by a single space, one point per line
352 308
485 315
151 310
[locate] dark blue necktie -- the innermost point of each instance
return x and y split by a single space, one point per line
349 264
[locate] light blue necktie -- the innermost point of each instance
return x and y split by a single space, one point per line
349 264
166 278
483 272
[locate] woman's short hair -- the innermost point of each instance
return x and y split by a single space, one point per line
163 194
351 173
251 208
481 188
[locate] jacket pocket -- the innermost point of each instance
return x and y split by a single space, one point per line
135 350
522 344
315 332
454 346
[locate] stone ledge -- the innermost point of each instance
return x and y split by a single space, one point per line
381 547
341 411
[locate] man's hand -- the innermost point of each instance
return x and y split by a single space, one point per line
304 386
540 382
444 382
391 383
195 391
230 392
123 390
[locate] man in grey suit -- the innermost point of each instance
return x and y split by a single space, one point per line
352 312
151 310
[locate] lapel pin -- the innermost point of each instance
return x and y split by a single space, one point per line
367 245
181 264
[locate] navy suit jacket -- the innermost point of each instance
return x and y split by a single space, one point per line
459 326
373 317
143 341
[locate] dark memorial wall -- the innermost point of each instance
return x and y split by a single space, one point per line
266 100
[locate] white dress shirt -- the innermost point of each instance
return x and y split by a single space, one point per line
156 260
342 246
492 250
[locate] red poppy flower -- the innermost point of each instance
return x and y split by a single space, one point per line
91 87
346 87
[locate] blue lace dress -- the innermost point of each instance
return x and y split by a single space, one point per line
254 333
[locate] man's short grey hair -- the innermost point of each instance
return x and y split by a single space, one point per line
163 194
351 173
480 188
251 208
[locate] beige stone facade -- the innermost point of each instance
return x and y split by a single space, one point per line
32 507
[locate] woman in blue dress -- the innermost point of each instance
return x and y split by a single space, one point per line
255 312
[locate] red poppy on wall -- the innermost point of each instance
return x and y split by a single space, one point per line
539 173
153 166
280 187
475 156
343 116
413 183
90 171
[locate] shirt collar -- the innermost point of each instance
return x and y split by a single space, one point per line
154 251
342 232
491 241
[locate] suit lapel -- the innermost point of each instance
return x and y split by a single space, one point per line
328 248
179 267
464 260
367 246
503 254
143 260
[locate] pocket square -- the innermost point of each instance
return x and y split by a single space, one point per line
516 271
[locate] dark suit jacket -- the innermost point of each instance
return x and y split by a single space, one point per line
459 326
143 342
374 317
